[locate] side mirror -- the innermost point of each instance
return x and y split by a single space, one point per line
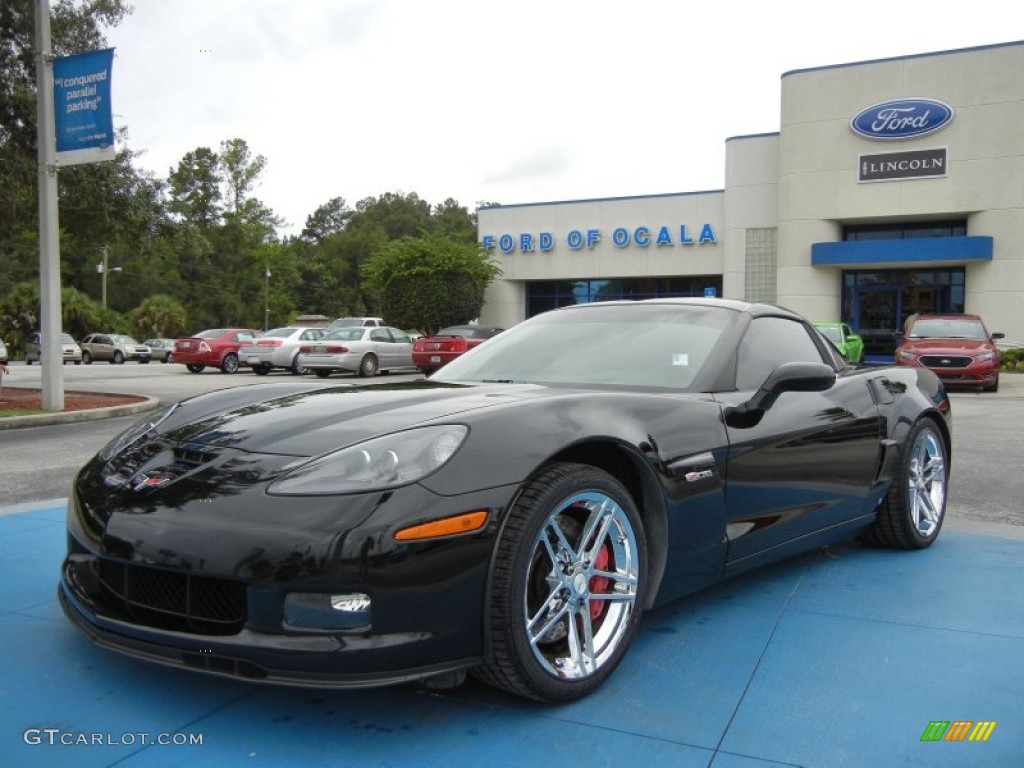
788 377
998 335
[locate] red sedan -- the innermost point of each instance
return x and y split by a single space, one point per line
217 348
433 352
958 348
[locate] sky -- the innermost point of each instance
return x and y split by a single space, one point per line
491 100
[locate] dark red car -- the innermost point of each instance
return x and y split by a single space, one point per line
958 348
433 352
217 348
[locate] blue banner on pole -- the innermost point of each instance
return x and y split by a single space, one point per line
82 111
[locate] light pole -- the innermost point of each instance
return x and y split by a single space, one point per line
103 269
266 299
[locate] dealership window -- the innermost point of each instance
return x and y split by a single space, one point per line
878 302
905 230
760 270
548 294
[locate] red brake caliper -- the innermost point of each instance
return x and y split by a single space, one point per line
599 584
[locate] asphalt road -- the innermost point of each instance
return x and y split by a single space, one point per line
39 463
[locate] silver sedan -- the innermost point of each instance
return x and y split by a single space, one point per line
362 350
277 348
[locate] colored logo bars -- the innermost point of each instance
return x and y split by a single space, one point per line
958 730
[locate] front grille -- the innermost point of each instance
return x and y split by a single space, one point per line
945 361
177 601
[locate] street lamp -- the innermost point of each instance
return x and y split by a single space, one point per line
103 269
266 298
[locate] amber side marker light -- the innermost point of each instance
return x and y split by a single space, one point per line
447 526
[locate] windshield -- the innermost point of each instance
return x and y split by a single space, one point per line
831 332
631 345
344 334
947 328
124 340
65 338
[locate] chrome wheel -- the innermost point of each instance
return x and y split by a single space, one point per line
568 585
581 587
910 515
926 483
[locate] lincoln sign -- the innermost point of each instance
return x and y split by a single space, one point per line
893 166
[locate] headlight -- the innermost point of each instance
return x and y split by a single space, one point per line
376 465
907 355
132 434
985 357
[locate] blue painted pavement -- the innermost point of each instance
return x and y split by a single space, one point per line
841 657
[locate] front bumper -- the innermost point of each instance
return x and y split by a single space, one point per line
427 597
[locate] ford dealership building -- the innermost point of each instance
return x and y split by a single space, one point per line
893 187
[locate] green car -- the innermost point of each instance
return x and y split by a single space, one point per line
845 340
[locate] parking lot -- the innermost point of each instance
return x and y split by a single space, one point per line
842 656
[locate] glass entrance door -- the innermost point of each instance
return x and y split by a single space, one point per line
877 311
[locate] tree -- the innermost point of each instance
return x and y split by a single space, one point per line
329 219
430 282
158 316
241 172
195 188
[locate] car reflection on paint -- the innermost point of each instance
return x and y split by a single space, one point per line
362 350
513 516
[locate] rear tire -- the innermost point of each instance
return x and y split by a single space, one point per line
911 515
322 373
261 370
568 585
28 361
298 370
368 366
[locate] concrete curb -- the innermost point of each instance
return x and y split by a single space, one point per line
91 414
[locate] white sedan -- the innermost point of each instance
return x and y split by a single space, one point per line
362 350
277 348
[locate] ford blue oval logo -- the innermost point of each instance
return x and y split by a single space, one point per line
902 119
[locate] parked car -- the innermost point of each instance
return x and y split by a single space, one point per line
278 348
958 348
115 348
71 352
365 351
850 344
517 513
216 348
366 322
162 349
3 352
432 352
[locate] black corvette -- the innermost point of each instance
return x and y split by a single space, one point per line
512 516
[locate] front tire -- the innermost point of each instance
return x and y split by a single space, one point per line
261 370
568 584
195 367
994 387
368 366
298 370
911 515
118 358
229 363
87 358
322 373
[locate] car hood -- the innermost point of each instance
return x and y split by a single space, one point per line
947 346
309 423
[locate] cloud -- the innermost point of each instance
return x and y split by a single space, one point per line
544 162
